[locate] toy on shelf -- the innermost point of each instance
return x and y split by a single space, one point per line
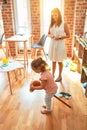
73 67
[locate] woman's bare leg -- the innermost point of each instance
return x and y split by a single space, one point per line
60 69
53 68
60 72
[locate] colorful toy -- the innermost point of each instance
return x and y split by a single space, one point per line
73 66
48 67
84 85
5 60
36 83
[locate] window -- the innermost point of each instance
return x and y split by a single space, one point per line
85 26
1 22
22 19
22 16
1 25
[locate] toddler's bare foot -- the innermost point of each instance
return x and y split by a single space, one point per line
44 106
44 111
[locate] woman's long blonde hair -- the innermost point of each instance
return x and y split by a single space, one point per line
59 17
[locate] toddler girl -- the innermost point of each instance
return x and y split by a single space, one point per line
46 82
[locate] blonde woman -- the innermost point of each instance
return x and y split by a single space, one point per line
58 31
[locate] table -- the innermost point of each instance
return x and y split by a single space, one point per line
12 65
19 38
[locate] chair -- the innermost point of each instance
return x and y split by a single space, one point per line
1 41
39 46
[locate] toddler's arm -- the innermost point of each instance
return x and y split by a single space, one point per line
43 83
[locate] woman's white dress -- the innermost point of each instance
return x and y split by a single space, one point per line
57 48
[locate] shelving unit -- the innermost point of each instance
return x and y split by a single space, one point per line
80 56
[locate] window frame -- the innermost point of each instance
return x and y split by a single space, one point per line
28 18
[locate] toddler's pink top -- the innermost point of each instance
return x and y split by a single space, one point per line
51 86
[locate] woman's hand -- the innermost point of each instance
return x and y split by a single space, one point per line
51 36
57 38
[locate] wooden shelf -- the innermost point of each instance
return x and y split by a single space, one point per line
80 54
85 70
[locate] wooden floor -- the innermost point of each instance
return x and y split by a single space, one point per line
21 111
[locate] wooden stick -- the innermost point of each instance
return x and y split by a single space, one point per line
9 82
62 101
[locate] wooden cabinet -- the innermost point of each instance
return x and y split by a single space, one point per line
80 56
84 67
